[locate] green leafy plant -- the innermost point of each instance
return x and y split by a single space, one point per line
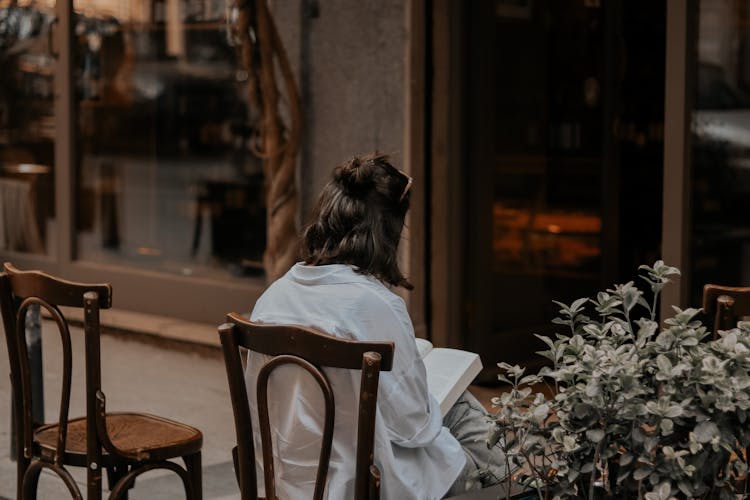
637 411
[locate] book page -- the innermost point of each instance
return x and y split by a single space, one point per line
449 373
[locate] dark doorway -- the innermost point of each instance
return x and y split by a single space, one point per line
564 111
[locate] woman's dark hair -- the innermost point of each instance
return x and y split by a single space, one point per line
359 217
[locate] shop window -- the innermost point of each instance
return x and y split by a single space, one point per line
27 128
166 179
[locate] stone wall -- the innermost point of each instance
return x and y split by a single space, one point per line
349 61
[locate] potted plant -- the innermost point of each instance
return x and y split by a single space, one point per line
636 411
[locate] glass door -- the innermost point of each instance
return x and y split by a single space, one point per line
720 140
27 127
565 125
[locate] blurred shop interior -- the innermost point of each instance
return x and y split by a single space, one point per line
164 175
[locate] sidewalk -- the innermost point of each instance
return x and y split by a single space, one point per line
152 377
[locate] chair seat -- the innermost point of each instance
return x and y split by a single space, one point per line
150 437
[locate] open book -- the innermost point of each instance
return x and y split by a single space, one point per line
449 372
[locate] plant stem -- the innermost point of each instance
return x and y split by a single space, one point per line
654 303
537 473
508 476
597 452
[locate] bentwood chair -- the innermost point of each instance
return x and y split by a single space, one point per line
311 350
125 444
726 304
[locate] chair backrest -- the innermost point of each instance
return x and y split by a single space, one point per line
19 290
726 304
312 350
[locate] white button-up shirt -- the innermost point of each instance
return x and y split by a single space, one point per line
418 458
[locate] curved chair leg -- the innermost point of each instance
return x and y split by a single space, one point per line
21 468
114 474
31 480
126 481
236 462
195 472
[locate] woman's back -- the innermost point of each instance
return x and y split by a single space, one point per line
412 449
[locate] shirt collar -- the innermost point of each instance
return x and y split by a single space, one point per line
326 275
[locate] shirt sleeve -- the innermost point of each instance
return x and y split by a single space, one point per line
410 413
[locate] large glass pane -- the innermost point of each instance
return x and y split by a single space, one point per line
548 159
27 126
721 148
576 160
166 180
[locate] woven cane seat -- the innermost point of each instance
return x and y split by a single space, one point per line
148 436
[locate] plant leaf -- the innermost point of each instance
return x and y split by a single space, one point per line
706 431
595 435
641 473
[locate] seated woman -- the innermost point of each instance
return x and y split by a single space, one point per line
343 287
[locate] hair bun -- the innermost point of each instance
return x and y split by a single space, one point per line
355 176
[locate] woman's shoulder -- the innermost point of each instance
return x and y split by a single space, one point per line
374 290
335 298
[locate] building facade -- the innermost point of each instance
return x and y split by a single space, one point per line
555 146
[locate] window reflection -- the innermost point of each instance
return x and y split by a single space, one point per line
547 176
562 241
165 179
721 148
27 127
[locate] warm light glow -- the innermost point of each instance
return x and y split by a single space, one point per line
31 168
45 4
544 239
100 8
148 251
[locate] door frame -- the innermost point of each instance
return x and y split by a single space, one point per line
682 18
447 154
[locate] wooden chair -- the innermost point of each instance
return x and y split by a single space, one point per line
125 444
312 350
726 304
